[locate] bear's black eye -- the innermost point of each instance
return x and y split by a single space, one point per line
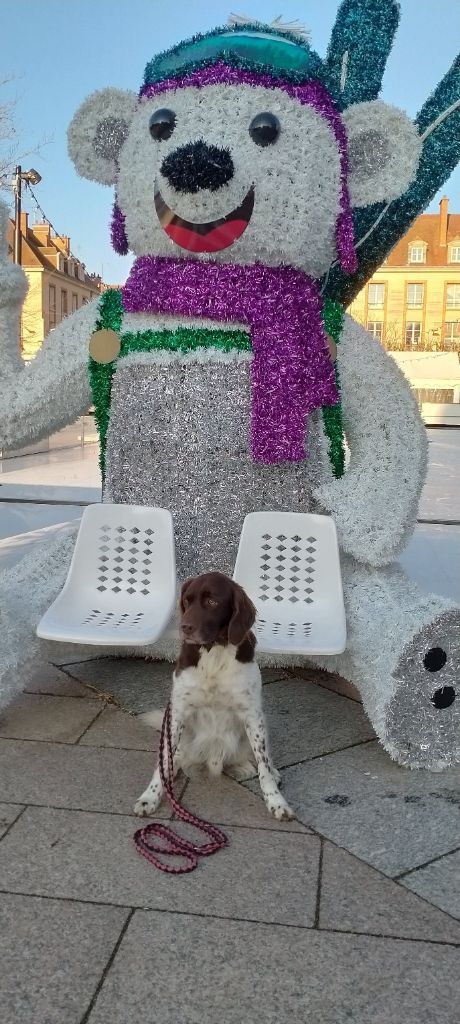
264 129
162 124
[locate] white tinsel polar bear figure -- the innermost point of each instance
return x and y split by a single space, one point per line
258 187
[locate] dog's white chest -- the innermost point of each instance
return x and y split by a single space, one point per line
218 680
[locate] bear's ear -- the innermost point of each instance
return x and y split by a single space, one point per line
384 150
97 132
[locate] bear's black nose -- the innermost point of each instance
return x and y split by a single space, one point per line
196 166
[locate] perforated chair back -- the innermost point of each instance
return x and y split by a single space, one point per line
288 563
121 585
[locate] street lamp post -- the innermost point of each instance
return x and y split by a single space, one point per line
33 177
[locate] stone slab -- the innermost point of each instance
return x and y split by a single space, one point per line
58 719
305 721
357 898
329 680
115 728
225 802
272 675
439 883
89 778
136 684
173 968
8 814
53 954
48 679
267 876
390 817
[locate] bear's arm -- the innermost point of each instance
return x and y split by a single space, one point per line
375 503
53 390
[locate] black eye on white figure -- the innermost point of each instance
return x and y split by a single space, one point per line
162 124
264 129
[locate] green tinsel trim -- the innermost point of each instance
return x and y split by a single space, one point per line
100 377
110 311
332 414
187 339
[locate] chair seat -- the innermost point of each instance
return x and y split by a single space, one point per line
288 563
121 585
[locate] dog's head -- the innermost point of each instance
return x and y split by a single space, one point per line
214 609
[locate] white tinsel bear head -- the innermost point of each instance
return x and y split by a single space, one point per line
237 165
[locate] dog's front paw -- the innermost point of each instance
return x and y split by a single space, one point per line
281 810
146 806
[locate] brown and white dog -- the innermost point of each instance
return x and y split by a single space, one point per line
216 701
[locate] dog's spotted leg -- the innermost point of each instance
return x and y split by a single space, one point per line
257 736
150 799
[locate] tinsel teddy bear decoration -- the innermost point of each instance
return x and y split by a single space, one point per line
258 187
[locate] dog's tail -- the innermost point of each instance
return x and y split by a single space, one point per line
152 718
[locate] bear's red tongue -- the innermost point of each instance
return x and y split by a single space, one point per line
219 237
210 236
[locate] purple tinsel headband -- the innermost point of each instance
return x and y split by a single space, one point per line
313 94
291 370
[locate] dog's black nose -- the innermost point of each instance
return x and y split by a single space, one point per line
196 166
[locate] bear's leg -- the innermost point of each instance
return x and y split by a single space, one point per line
403 654
26 591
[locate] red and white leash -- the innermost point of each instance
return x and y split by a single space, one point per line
176 846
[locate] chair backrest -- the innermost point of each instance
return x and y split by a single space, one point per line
126 549
290 558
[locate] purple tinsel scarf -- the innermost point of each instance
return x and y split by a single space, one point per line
291 372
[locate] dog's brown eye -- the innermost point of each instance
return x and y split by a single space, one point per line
211 601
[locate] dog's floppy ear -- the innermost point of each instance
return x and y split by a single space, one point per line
183 592
244 616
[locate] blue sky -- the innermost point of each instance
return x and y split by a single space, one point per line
61 50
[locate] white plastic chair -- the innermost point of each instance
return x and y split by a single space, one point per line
121 585
288 563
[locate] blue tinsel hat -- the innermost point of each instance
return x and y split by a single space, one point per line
282 51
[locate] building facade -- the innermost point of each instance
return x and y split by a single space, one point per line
58 283
413 301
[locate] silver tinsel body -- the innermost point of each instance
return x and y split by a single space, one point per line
179 438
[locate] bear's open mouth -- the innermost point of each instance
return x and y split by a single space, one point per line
210 236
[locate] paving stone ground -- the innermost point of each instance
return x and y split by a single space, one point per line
350 913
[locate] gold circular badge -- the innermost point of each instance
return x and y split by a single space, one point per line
104 346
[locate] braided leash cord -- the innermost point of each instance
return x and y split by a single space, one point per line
175 845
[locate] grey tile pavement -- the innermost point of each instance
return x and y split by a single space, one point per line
36 717
52 956
191 970
392 818
357 898
116 728
48 679
328 680
76 845
270 876
439 883
90 778
305 721
8 814
271 675
136 684
225 802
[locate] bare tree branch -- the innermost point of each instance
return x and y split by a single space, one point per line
11 151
